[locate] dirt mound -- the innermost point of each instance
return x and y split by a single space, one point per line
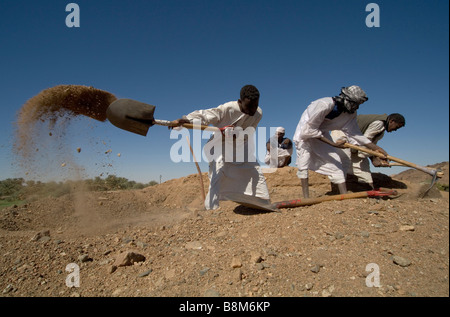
184 250
81 210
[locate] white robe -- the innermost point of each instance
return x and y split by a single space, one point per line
241 180
278 156
360 165
316 155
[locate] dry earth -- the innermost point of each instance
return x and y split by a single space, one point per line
315 251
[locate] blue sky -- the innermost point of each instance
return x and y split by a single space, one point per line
186 55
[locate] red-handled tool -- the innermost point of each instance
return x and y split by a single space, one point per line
311 201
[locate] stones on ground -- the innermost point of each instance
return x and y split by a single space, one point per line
407 228
365 234
145 273
328 292
42 236
236 263
194 245
204 271
401 261
260 266
316 268
84 258
126 258
237 275
255 257
8 288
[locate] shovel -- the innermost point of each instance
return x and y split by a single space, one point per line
276 206
433 172
137 117
311 201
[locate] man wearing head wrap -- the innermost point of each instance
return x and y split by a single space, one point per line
373 127
281 153
316 150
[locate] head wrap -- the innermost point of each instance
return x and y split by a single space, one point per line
352 97
355 94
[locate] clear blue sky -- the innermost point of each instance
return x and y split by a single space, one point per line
187 55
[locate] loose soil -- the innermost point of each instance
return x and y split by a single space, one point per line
318 250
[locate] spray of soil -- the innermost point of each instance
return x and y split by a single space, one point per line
43 132
80 100
49 114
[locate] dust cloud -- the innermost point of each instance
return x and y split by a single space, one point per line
46 127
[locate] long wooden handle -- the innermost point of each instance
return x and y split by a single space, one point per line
200 127
430 171
312 201
186 125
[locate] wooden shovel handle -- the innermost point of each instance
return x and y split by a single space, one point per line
186 125
200 127
311 201
406 163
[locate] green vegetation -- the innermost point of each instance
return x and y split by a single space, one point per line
16 191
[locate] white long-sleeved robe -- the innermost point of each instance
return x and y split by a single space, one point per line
280 155
241 180
316 155
360 165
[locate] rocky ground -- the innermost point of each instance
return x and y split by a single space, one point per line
159 242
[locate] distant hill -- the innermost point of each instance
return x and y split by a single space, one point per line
416 176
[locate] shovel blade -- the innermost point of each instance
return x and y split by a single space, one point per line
131 115
250 201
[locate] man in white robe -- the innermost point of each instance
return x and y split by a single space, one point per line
282 149
234 172
373 126
316 150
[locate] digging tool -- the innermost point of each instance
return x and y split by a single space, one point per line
433 181
433 172
311 201
137 117
427 170
396 164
